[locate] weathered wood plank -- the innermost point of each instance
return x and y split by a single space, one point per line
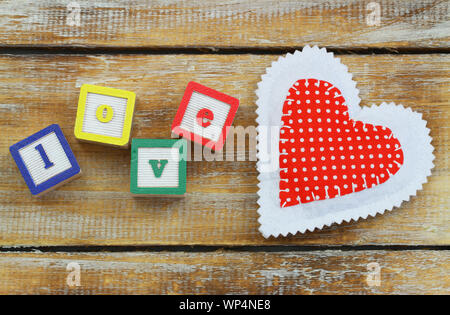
322 272
229 23
220 206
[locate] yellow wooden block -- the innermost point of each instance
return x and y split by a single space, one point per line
104 115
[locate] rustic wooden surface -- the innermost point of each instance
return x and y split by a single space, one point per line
40 76
220 205
212 24
321 272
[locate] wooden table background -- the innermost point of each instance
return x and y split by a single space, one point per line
209 242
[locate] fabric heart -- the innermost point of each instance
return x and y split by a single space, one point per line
324 153
322 158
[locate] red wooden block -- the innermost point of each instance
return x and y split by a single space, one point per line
205 115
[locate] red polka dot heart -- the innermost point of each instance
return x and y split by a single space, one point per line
324 153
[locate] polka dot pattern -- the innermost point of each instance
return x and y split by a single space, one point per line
323 153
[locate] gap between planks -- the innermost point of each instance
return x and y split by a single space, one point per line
213 248
203 50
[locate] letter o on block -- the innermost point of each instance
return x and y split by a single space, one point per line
105 115
100 113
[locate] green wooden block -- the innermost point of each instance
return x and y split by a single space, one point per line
158 167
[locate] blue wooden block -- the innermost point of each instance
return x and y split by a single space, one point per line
45 160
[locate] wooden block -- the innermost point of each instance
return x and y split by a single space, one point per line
105 115
205 115
158 167
45 160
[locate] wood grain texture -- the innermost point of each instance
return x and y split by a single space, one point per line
229 23
220 205
323 272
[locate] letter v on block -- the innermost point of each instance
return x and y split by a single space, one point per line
158 166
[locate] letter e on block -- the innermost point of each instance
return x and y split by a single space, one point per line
158 167
204 116
105 115
45 160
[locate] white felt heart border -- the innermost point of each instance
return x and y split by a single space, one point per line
408 127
